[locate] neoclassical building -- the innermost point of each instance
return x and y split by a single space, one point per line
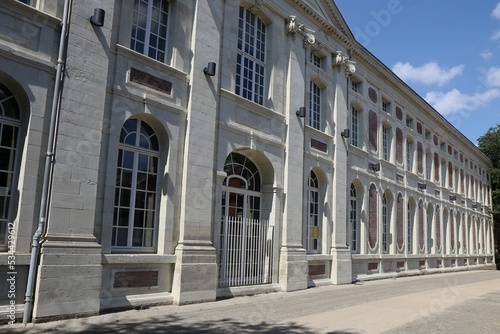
180 151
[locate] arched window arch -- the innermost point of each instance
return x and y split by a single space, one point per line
10 125
135 206
250 59
313 214
242 195
354 219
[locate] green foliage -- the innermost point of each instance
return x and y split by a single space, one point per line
489 144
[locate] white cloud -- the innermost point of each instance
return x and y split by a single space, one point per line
429 74
486 54
493 76
454 101
496 35
496 12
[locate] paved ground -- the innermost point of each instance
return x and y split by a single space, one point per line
465 302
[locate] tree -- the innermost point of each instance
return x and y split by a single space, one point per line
489 144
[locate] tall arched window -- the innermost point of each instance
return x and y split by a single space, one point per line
353 219
313 214
10 125
251 60
135 207
241 197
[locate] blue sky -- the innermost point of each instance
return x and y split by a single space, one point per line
448 51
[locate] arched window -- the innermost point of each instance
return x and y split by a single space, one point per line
241 198
353 219
313 214
251 60
135 207
10 125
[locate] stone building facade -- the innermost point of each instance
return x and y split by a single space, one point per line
204 149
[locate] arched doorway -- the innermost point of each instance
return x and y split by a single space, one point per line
246 241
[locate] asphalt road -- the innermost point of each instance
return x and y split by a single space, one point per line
464 302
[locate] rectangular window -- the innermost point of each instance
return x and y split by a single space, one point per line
315 59
409 155
313 221
354 224
409 122
385 143
354 127
250 60
386 106
354 86
314 106
385 226
428 165
149 28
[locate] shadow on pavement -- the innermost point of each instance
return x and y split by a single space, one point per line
173 324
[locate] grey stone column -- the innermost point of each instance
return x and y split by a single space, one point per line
69 273
195 276
341 254
293 262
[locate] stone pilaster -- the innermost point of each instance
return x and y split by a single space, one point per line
195 276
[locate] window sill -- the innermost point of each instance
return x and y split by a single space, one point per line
137 259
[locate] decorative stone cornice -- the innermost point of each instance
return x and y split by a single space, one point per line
294 28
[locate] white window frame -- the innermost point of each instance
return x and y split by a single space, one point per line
136 173
353 219
314 105
313 223
251 57
386 152
162 21
354 126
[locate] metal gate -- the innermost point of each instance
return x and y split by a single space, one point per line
246 252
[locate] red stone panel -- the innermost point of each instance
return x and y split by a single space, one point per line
400 221
399 145
462 180
419 128
436 167
150 81
450 150
399 113
372 218
452 232
372 130
420 158
135 279
438 228
421 224
435 140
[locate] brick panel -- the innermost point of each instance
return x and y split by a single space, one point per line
399 145
461 157
135 279
436 167
150 81
452 232
462 183
400 221
318 145
435 140
420 158
421 224
372 130
317 269
474 243
372 94
419 128
450 149
464 238
438 227
399 113
372 218
373 266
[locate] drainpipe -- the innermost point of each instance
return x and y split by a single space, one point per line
49 161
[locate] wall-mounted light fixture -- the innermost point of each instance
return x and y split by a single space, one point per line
422 186
210 69
453 197
301 112
375 167
98 18
346 133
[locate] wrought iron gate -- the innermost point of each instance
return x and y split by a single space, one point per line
246 253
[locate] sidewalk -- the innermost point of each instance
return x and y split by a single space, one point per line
465 302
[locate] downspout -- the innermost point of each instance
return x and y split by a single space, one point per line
49 161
